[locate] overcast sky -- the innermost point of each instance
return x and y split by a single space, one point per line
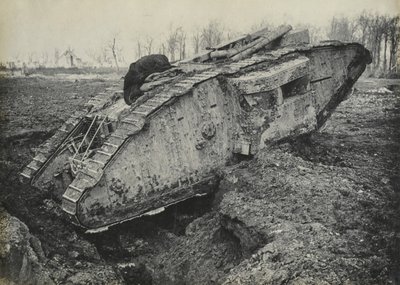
38 26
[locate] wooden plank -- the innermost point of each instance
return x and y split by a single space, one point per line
295 37
260 33
233 41
263 41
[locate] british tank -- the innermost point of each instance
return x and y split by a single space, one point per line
111 162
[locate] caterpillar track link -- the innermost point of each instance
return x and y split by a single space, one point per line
116 162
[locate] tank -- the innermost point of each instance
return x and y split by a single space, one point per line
113 162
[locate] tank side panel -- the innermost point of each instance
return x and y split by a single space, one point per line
298 115
295 116
182 145
328 72
277 103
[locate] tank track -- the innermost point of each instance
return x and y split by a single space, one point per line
47 150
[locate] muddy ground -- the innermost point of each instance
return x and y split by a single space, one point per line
322 209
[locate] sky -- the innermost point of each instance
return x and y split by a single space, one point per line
41 26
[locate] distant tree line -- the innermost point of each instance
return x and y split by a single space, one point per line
379 33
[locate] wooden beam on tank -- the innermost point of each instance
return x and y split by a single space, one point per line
247 50
257 42
276 76
262 42
231 42
242 38
295 37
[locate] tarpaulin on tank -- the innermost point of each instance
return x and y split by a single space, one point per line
139 70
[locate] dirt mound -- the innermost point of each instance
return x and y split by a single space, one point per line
312 223
21 254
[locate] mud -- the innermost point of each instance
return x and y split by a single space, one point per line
322 209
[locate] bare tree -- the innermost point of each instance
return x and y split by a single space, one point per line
381 35
114 51
378 35
172 44
105 59
44 58
342 29
163 49
31 57
181 43
394 37
176 43
139 49
196 41
57 56
386 27
377 30
211 34
363 23
148 46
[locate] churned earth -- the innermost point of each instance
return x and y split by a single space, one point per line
321 209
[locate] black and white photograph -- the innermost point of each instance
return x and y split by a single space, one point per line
232 142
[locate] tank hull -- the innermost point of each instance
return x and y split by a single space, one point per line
170 145
176 155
